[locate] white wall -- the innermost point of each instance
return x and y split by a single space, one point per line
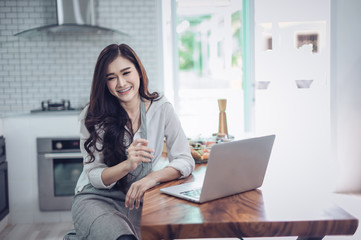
61 67
342 168
345 89
300 118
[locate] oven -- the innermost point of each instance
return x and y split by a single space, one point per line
60 164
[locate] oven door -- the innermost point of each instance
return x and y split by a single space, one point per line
58 174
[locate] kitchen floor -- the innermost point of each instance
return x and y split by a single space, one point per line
36 231
55 231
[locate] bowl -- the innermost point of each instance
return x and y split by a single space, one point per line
200 150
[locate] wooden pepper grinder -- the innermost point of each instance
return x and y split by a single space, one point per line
222 129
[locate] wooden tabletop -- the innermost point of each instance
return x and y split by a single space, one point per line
265 212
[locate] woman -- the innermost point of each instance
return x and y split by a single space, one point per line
122 133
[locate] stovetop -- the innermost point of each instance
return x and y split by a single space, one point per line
50 106
55 111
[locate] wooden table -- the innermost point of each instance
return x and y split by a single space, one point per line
259 213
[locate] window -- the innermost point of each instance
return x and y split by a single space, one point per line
208 36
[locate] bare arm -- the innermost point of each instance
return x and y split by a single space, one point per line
138 188
164 175
113 174
137 152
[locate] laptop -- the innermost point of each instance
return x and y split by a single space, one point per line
233 167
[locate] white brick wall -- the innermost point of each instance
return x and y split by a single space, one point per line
61 66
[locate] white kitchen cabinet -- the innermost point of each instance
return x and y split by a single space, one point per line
21 133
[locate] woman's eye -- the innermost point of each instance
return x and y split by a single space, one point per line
126 73
109 79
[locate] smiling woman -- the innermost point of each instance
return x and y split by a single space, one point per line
123 129
123 80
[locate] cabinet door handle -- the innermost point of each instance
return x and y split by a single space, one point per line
63 155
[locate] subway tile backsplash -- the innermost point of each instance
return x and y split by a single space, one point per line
61 66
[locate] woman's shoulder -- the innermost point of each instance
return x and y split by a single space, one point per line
158 106
160 100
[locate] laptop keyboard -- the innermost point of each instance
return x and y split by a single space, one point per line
194 193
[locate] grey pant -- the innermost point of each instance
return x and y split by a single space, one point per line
101 214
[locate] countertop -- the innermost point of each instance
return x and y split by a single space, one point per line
46 113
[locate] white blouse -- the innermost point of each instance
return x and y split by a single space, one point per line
162 124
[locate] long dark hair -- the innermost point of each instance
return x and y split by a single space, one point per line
105 114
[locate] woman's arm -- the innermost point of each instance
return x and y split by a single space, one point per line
92 169
178 149
137 152
164 123
181 162
99 174
138 188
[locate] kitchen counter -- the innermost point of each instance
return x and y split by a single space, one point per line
21 131
56 113
48 113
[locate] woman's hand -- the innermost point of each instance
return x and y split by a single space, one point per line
138 152
136 191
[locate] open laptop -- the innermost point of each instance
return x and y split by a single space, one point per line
232 168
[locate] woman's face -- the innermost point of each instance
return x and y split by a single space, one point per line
123 80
